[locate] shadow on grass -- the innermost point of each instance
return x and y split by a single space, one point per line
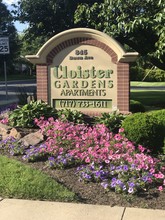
149 98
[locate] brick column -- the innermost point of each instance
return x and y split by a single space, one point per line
123 87
42 82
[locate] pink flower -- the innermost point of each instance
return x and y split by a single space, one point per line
160 188
150 180
152 170
159 175
121 130
87 160
141 148
118 137
4 121
164 182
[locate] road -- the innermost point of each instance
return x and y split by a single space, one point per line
147 88
29 86
14 88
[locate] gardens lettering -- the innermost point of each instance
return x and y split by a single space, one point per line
78 82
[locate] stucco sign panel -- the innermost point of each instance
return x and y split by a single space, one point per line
83 77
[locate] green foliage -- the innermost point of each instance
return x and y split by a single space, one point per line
7 29
45 19
137 73
71 115
154 75
111 120
136 106
24 116
20 181
144 129
160 115
138 24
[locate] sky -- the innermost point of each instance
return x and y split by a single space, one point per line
20 27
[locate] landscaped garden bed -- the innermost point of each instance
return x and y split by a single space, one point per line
100 166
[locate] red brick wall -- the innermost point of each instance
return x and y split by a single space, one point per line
42 82
81 41
123 87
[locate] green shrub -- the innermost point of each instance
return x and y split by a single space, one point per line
154 75
160 115
111 120
136 106
74 116
24 116
144 129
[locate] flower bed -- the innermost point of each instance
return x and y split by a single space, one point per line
99 155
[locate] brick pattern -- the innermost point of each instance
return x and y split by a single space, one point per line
123 87
42 82
81 41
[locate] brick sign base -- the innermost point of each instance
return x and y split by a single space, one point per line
83 69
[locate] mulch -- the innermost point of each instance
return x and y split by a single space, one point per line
94 193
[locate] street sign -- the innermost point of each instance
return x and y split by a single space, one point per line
4 45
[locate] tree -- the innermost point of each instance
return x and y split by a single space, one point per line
46 18
7 29
138 24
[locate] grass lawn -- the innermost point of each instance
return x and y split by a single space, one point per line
147 84
20 181
149 97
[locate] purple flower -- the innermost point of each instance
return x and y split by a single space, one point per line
130 190
118 182
131 184
104 184
119 168
86 176
125 168
97 173
112 167
145 178
114 179
124 187
113 184
133 166
51 158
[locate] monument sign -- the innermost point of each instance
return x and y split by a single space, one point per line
83 69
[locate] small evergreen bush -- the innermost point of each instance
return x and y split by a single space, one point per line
144 129
136 106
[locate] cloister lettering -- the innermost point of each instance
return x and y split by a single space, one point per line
62 72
